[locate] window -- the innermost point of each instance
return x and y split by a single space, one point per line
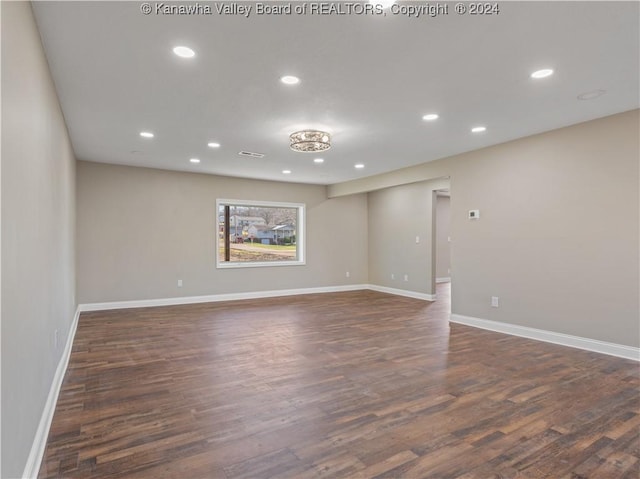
252 233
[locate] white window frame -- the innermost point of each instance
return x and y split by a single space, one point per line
300 234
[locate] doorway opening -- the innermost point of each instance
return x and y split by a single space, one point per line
442 243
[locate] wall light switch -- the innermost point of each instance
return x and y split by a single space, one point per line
179 283
406 277
417 239
495 301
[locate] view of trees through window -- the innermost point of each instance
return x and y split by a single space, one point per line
257 233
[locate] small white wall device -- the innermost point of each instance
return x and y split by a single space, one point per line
474 214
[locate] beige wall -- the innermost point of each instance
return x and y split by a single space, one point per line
443 232
140 230
37 233
557 240
396 217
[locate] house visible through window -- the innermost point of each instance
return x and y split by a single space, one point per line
259 233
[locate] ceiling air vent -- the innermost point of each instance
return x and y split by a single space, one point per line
251 154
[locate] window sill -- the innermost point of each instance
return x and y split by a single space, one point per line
232 265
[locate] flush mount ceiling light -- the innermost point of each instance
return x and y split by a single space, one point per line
146 134
194 160
430 117
290 80
358 166
184 52
310 141
478 129
318 160
213 144
286 172
542 73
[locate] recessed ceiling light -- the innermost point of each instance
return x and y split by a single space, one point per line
290 80
590 95
286 172
146 134
318 160
383 3
358 166
430 117
184 52
194 160
478 129
542 73
213 144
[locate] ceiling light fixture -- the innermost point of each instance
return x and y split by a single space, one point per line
358 166
184 52
547 72
194 160
430 117
290 80
591 95
318 160
286 172
146 134
310 141
478 129
213 144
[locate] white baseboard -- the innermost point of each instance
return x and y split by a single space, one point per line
32 468
402 292
146 303
603 347
443 280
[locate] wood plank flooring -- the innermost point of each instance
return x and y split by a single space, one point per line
358 384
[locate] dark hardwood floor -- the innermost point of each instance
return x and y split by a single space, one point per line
357 384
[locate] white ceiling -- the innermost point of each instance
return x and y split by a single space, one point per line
366 79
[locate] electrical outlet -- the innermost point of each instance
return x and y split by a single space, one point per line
348 274
495 301
179 283
406 277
